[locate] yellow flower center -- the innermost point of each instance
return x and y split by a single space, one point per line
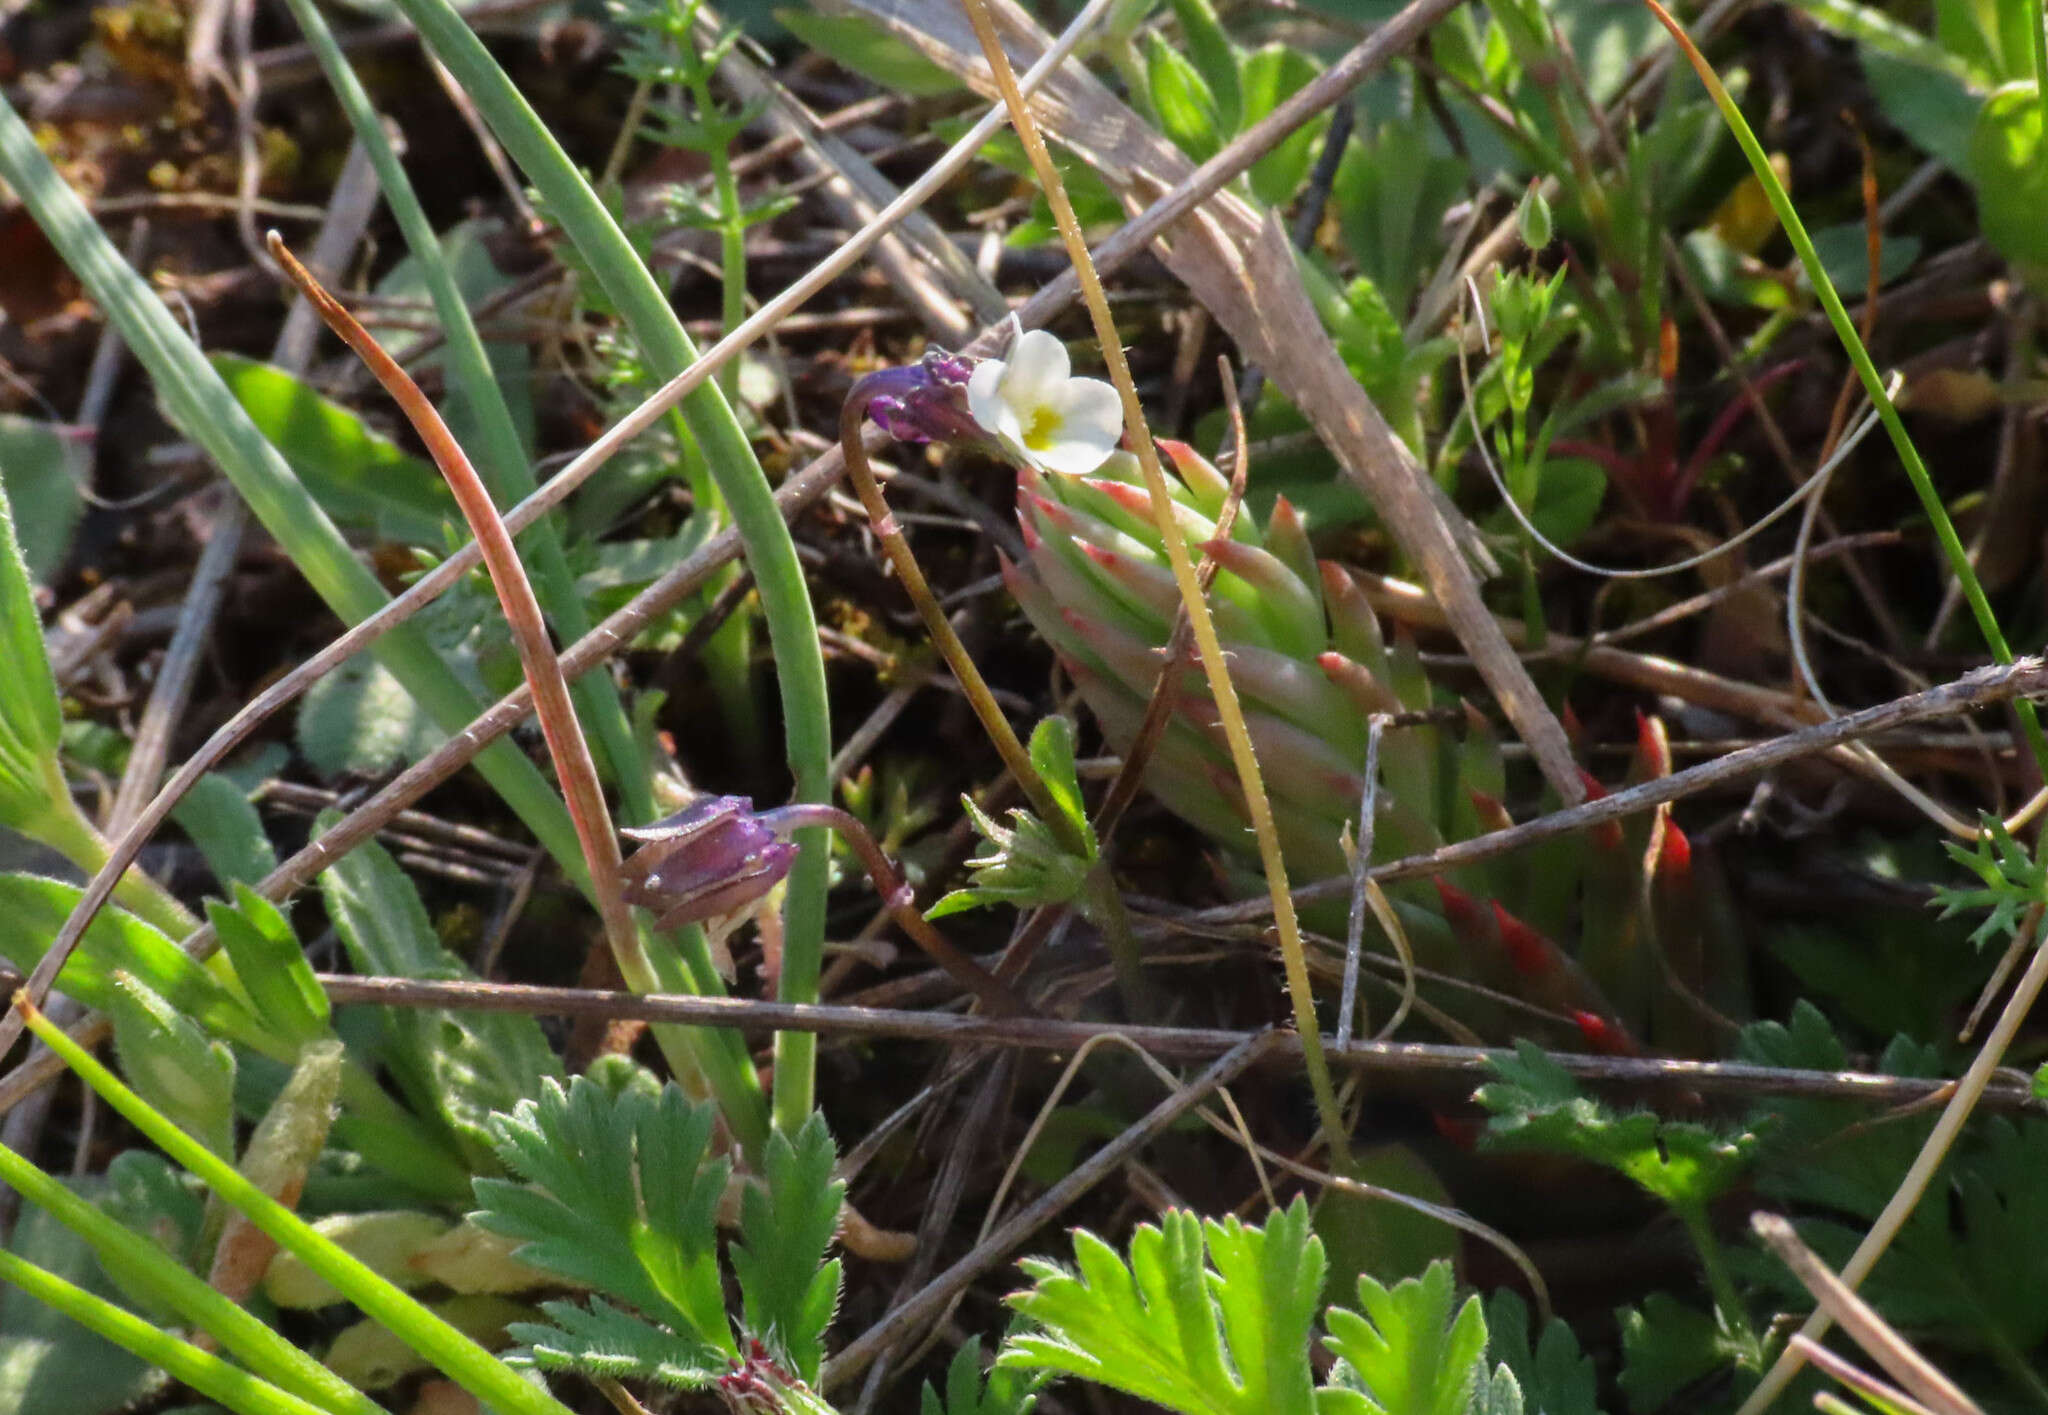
1043 426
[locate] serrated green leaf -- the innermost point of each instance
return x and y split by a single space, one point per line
603 1342
1665 1347
1537 1105
1167 1328
788 1291
1555 1377
1411 1349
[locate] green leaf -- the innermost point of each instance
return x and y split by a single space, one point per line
1052 752
1181 98
223 823
604 1343
1665 1347
1167 1328
1537 1105
42 467
1003 1392
1933 106
2009 168
29 717
173 1065
788 1290
458 1065
259 940
49 1365
1413 1351
1214 57
623 1198
32 910
869 51
359 475
1270 74
1390 195
1556 1377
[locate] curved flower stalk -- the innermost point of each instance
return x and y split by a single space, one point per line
1313 669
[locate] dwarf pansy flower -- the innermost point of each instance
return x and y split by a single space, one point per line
1040 413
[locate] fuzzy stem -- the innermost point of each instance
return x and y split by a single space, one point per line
1299 987
972 685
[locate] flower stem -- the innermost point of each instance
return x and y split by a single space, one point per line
972 684
1206 641
901 902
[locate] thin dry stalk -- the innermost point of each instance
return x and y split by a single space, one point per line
2027 677
574 765
1221 689
760 1017
1858 1318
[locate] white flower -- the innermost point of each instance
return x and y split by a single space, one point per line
1039 413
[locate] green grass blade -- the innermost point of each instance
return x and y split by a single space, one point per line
469 1365
199 404
204 1372
771 553
499 455
149 1271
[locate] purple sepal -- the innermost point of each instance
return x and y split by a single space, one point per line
922 402
712 858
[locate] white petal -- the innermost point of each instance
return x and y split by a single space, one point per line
1091 422
1038 366
984 392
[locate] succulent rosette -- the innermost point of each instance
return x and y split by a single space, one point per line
1312 668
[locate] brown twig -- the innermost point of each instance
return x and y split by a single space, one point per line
1171 1044
2026 677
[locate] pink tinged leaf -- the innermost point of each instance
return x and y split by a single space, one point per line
1354 627
1209 487
1366 692
1492 814
1532 954
1287 538
1469 923
1604 1036
1607 834
1138 501
1674 858
1652 759
1289 609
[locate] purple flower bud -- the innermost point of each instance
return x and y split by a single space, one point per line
713 858
922 402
